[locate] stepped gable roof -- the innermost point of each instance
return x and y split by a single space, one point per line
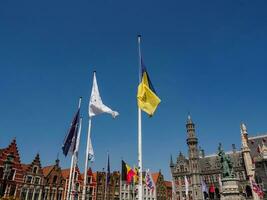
11 149
254 142
36 162
29 167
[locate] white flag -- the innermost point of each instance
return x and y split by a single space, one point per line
186 185
91 155
96 105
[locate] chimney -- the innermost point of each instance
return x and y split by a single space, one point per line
234 148
201 152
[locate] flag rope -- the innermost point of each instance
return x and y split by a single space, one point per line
140 184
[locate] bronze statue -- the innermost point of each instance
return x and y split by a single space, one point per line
227 164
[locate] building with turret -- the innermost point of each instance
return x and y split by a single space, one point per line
203 172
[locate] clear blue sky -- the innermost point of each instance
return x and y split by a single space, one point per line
204 57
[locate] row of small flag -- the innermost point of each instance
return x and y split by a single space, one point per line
257 189
131 175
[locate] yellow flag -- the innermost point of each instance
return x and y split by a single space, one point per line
147 100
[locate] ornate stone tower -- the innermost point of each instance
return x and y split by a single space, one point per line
193 156
246 151
250 168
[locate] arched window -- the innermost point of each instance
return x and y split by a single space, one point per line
35 170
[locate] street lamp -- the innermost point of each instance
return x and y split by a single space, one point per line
6 172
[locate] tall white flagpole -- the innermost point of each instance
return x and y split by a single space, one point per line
86 158
140 184
70 177
76 156
72 163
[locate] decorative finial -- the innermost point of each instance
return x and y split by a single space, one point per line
189 119
171 161
243 128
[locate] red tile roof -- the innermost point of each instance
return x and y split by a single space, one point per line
94 176
65 173
47 169
155 177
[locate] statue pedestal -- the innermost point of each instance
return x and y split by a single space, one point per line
230 189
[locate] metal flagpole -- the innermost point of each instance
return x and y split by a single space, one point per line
121 182
86 158
76 156
106 182
72 162
70 177
140 184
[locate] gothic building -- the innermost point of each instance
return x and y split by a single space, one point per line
160 186
33 180
54 182
11 172
199 169
90 193
169 190
109 190
76 189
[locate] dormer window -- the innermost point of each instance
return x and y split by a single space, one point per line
35 170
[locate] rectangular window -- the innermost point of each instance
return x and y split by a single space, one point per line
37 180
89 179
29 179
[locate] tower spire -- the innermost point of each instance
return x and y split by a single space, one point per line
190 128
171 162
193 155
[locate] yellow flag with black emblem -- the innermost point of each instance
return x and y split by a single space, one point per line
147 98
